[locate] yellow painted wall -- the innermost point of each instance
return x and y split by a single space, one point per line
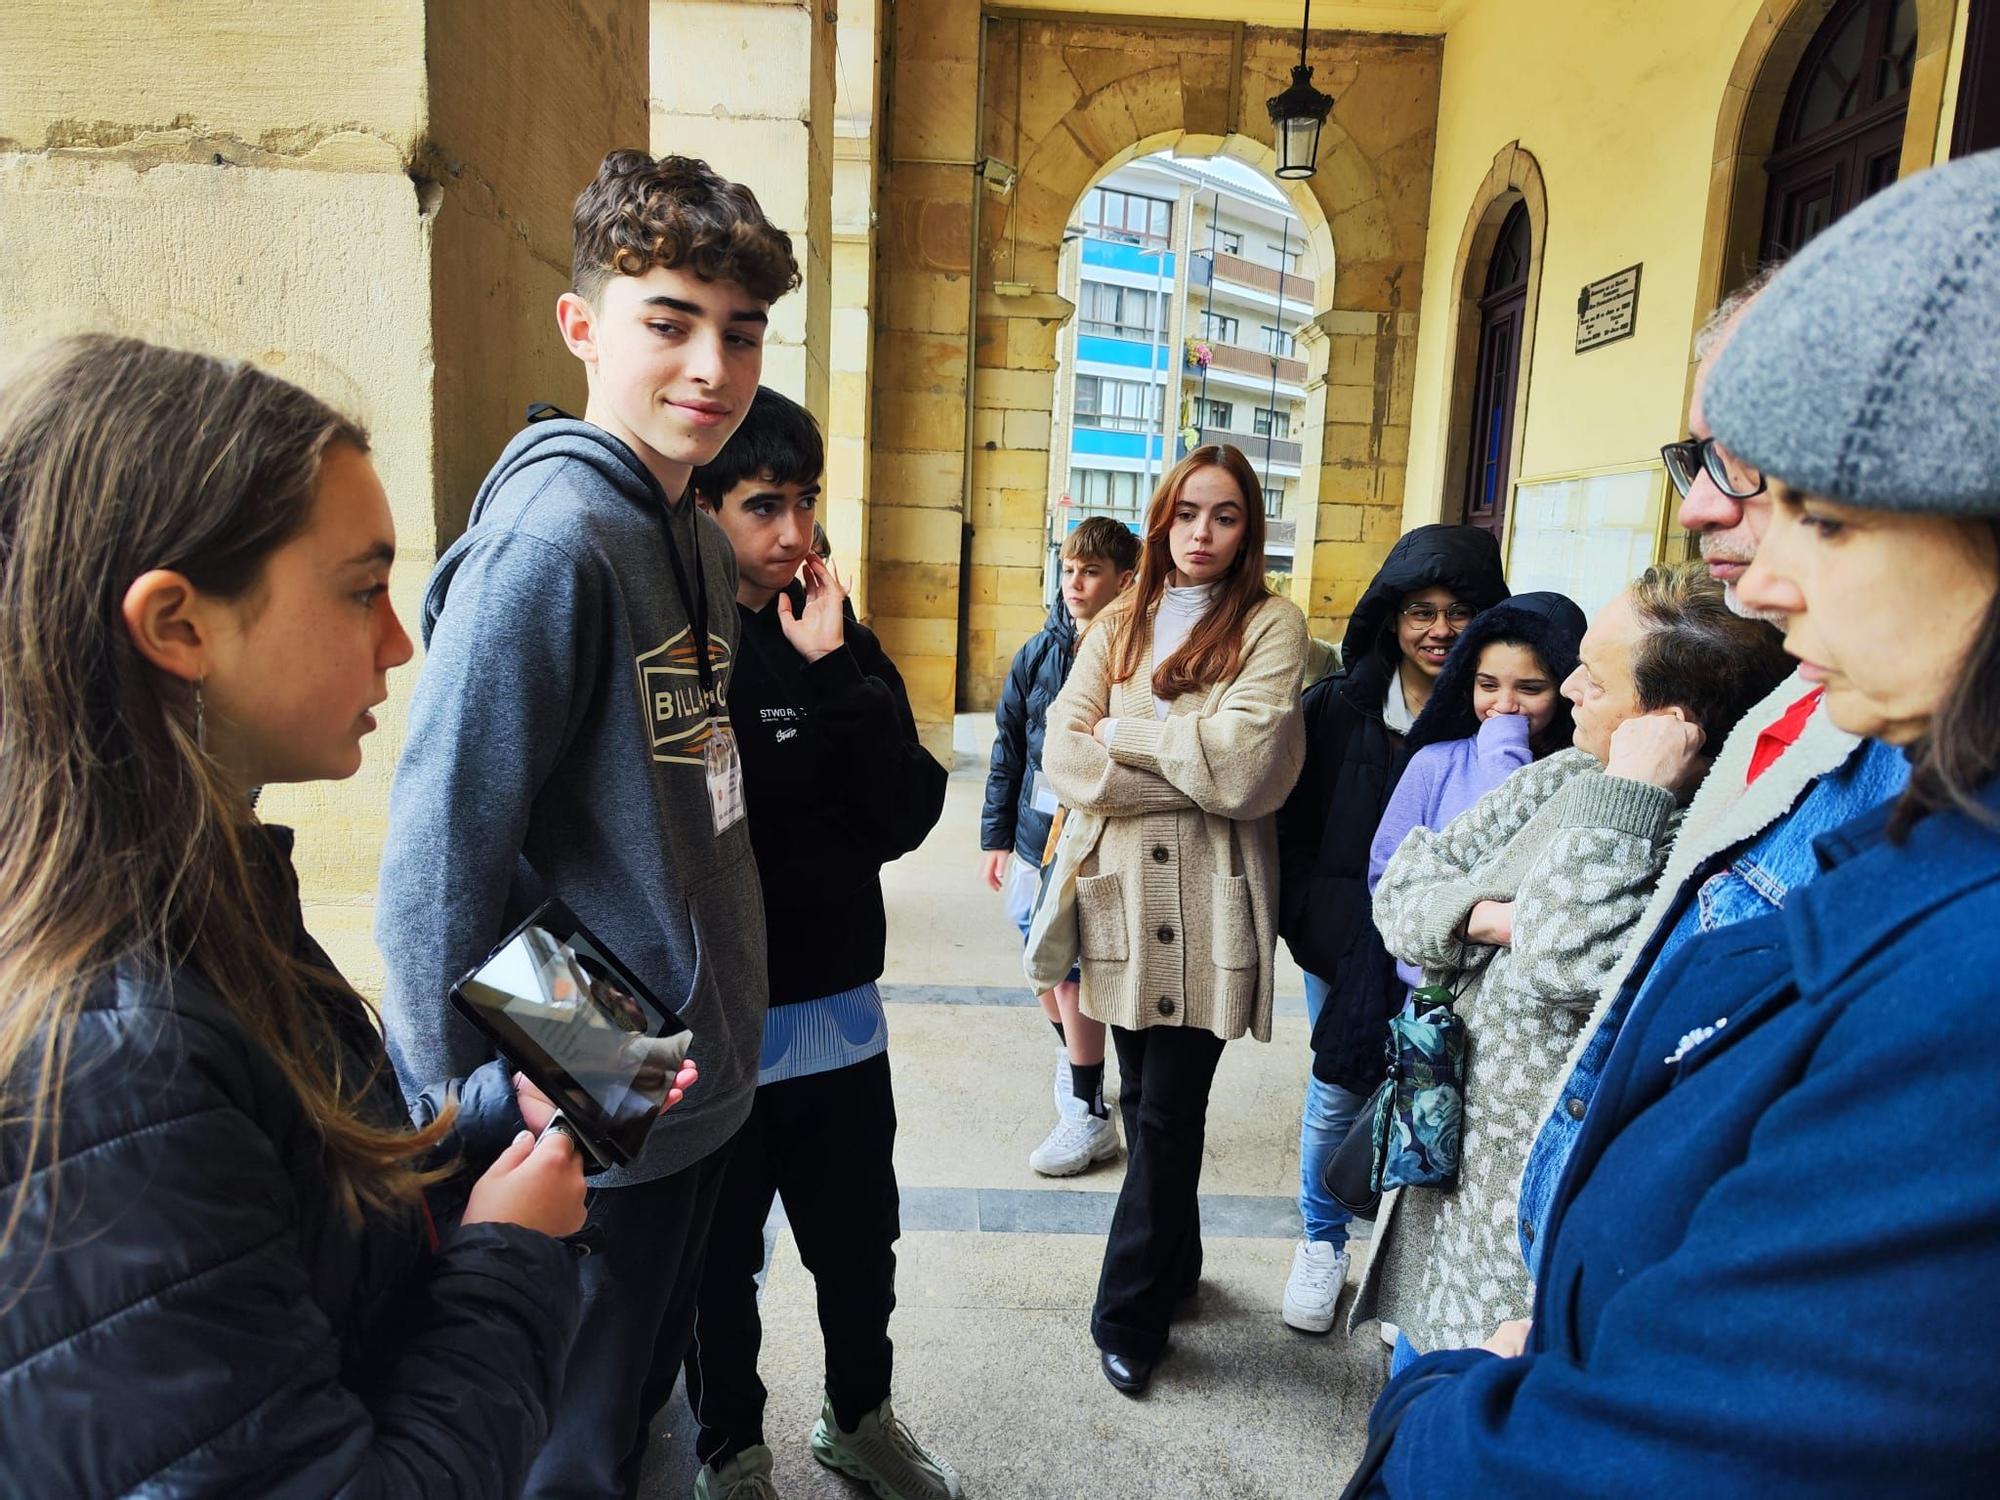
1621 115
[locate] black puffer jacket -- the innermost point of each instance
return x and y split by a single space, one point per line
1353 761
206 1320
1040 668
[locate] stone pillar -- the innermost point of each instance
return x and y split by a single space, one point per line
923 326
748 86
369 198
850 417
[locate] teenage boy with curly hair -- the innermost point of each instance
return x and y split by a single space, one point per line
570 737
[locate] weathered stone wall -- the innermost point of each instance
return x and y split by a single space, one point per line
1063 102
748 86
370 197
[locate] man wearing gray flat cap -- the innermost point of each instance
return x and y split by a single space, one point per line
1769 1267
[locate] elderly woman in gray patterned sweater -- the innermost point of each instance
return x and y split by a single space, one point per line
1526 900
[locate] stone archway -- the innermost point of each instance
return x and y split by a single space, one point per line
1066 100
1042 317
1514 177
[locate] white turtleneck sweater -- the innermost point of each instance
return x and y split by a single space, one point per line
1180 609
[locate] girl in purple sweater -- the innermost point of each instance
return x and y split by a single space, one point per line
1496 707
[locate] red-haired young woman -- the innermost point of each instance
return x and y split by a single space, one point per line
1179 726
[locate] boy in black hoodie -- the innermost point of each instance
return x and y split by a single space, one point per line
569 736
837 784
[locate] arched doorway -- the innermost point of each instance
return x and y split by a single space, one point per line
1840 135
1503 305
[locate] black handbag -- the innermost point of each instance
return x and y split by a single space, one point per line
1349 1174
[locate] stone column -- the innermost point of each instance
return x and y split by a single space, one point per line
923 325
748 86
369 198
850 418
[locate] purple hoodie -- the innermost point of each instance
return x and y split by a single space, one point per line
1442 781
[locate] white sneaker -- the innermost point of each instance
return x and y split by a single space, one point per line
1318 1273
1068 1106
1390 1333
1075 1145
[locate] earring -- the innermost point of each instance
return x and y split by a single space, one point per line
200 718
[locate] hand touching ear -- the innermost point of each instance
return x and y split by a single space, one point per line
1662 749
822 625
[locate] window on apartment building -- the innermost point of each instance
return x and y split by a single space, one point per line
1277 341
1127 217
1123 312
1229 242
1284 257
1095 491
1266 422
1217 413
1222 330
1274 501
1118 405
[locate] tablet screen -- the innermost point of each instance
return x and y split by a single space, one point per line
582 1030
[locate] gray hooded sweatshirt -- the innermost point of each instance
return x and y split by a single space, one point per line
554 750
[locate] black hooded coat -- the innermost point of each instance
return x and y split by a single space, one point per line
1353 760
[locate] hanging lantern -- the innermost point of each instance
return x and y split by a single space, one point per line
1298 113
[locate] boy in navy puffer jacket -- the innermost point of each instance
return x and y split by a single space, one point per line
1098 561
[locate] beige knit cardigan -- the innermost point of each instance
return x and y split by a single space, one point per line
1176 909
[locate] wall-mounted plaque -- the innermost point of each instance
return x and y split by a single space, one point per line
1608 310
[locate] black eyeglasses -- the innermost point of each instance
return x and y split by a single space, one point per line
1686 459
1426 615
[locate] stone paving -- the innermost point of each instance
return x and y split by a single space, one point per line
994 1364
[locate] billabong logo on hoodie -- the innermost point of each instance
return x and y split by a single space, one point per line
678 713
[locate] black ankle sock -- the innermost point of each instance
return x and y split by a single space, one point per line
1059 1032
1086 1081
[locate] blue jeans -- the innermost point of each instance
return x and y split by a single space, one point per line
1403 1355
1329 1111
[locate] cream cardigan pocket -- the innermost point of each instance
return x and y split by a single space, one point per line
1232 926
1100 919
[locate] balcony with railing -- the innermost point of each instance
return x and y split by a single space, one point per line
1233 359
1283 451
1237 271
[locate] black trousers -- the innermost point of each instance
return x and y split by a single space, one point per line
638 1312
825 1143
1154 1254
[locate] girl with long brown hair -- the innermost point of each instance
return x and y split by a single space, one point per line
1179 727
206 1166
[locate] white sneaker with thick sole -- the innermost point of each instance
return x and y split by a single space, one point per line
1075 1145
1390 1333
1319 1270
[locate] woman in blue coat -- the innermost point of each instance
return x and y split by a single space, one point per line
1769 1268
233 1261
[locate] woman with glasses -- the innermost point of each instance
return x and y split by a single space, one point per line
1435 580
1522 906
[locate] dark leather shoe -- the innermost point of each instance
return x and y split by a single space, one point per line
1131 1376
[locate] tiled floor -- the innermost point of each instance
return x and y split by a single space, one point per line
997 1266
